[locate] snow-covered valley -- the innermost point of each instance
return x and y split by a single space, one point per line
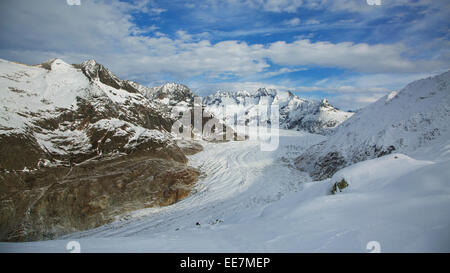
248 200
91 158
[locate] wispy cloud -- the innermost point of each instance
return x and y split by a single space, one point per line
292 22
281 71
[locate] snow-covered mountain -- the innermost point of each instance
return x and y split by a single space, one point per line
62 108
295 113
170 93
414 121
72 139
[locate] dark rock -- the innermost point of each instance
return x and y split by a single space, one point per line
327 165
339 186
51 202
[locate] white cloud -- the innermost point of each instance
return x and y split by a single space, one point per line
292 22
291 6
358 57
157 10
279 5
360 6
104 31
312 22
281 71
183 35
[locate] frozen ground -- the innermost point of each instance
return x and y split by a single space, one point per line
249 200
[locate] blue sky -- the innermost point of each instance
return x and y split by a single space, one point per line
346 50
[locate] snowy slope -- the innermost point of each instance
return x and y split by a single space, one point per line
414 121
253 201
34 89
295 113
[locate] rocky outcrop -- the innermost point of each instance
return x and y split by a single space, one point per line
94 71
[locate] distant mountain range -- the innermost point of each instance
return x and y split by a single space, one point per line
295 113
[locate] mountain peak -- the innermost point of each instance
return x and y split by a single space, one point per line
90 62
54 64
92 68
325 103
172 93
266 92
172 87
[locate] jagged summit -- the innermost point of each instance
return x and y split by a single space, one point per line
90 62
173 89
96 71
295 113
171 93
93 69
245 93
266 92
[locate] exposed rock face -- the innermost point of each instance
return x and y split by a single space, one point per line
295 113
325 166
189 147
94 70
414 120
79 146
49 202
